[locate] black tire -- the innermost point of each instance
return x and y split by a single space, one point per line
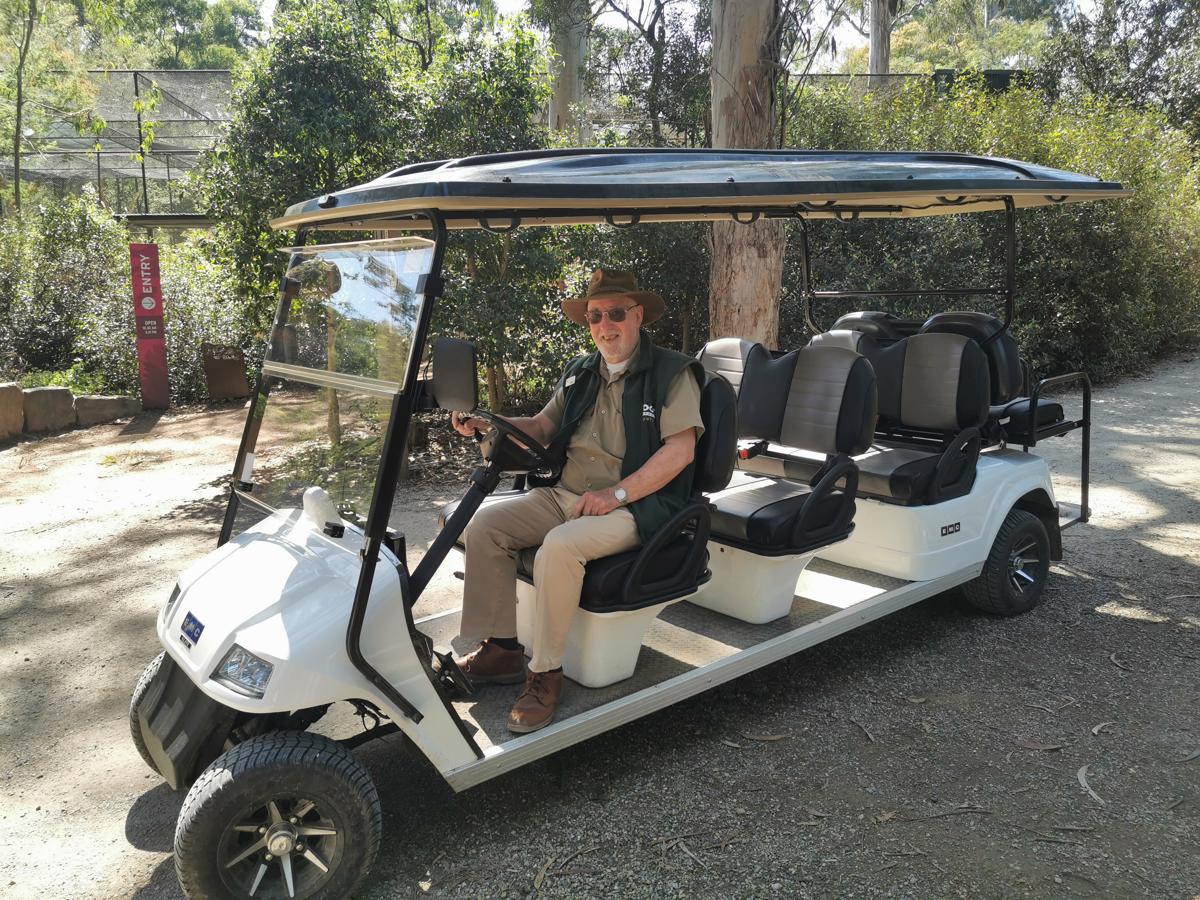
315 785
139 691
1015 572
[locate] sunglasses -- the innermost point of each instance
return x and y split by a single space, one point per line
596 316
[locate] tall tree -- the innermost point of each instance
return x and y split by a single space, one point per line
570 23
882 14
747 260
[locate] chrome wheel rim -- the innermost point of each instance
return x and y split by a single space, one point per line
1024 567
282 848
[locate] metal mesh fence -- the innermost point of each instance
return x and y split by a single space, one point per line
174 114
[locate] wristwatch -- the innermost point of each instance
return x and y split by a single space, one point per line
621 494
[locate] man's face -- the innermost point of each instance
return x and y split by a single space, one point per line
616 341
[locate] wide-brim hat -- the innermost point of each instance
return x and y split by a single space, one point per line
607 284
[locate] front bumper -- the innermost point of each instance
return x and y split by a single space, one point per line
182 727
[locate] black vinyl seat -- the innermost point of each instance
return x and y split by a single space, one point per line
674 563
765 516
819 399
935 386
1008 416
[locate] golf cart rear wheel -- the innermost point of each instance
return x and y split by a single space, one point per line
288 814
139 691
1016 569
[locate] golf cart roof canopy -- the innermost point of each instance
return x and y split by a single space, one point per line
504 191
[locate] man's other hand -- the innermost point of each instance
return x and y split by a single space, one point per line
595 503
468 425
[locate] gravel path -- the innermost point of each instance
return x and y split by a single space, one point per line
935 753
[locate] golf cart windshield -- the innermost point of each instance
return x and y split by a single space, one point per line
338 356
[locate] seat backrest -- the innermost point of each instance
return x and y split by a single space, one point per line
996 341
882 326
934 382
726 357
716 450
858 341
820 398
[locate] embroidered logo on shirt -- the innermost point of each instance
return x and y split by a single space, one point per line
648 411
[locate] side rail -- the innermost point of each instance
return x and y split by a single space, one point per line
1034 434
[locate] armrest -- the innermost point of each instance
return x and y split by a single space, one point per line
698 512
837 468
966 443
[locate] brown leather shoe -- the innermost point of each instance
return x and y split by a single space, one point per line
492 664
535 706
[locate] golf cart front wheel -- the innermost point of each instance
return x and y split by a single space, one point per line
288 814
139 691
1015 572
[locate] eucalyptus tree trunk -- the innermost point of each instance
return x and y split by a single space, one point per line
747 260
880 59
569 35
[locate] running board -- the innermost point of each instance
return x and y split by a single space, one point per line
850 602
1069 514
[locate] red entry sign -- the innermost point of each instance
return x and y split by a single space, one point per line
151 339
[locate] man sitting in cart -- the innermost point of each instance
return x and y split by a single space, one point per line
625 421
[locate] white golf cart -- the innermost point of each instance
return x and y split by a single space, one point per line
835 483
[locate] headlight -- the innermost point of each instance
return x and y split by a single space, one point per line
169 605
244 672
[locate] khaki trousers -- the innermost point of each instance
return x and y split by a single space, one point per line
494 536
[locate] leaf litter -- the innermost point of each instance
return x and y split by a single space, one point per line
1082 775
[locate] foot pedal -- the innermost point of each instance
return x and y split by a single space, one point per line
454 680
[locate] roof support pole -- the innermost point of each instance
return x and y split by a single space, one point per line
1010 260
806 292
394 444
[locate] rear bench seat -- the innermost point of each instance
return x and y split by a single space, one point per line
1008 415
765 530
933 384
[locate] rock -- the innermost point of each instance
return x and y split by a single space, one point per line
12 411
92 409
49 408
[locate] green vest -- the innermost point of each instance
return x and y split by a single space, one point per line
646 384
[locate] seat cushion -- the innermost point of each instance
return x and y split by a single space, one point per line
895 474
1017 414
762 515
604 578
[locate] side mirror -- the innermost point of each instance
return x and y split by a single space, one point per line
455 375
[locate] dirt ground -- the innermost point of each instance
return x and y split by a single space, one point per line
936 753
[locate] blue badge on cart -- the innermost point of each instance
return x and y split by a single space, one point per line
193 628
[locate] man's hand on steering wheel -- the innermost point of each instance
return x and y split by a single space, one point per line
533 456
467 425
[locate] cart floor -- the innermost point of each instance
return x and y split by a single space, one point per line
683 638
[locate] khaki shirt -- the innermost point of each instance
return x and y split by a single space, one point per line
597 447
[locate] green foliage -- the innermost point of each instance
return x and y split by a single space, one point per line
1100 286
77 378
1146 52
194 34
315 111
56 262
329 104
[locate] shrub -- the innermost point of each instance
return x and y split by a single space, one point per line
1100 286
57 260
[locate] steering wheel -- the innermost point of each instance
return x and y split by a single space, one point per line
510 456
